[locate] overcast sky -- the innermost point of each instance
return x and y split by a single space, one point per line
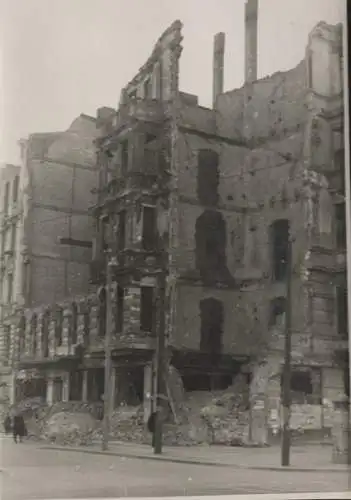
60 58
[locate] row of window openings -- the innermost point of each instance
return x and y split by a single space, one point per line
146 320
124 152
147 311
149 230
15 189
278 311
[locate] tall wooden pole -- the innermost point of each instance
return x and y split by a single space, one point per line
286 392
108 360
160 359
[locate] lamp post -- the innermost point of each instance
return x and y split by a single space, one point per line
108 361
286 393
160 357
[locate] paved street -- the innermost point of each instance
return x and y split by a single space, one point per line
29 471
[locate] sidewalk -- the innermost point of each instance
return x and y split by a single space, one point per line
310 458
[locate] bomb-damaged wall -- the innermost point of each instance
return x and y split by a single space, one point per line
158 77
255 187
241 327
271 107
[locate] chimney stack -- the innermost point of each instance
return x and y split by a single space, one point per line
251 21
218 66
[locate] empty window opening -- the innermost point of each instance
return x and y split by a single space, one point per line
210 237
86 329
277 312
208 177
74 324
305 385
147 87
75 385
96 384
149 228
9 288
150 138
58 327
147 312
212 318
340 219
130 387
6 198
119 309
15 188
342 311
121 231
124 157
7 344
21 334
13 237
102 312
280 248
45 334
33 333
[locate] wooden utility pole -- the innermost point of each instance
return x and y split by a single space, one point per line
108 360
160 358
286 392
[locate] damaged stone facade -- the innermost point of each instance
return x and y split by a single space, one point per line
209 197
53 194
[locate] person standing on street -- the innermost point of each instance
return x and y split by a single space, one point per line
19 428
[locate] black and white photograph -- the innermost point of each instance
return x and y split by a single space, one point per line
175 233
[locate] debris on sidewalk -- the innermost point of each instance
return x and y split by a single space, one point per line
74 429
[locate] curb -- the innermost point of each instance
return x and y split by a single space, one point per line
193 462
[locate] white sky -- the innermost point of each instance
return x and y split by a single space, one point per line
60 58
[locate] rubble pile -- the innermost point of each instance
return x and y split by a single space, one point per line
126 424
203 417
74 429
219 417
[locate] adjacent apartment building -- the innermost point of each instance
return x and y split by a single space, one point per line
208 199
9 227
45 225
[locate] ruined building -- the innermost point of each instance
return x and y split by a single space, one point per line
9 222
209 198
45 224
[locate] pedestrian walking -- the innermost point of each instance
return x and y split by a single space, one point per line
7 424
19 428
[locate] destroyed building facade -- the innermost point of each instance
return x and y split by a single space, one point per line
45 227
210 198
